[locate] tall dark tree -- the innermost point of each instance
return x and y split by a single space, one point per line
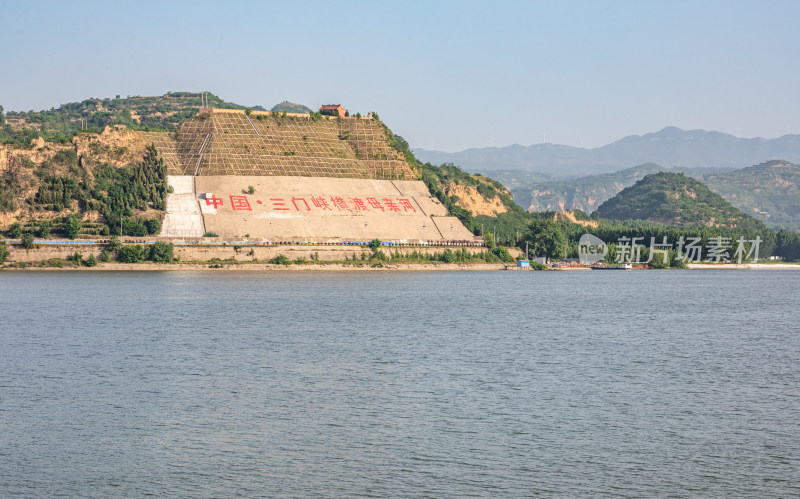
545 238
73 226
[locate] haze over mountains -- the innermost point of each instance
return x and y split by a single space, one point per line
770 191
670 147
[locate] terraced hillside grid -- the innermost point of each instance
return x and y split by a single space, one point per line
167 147
229 142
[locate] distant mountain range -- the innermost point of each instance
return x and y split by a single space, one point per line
770 191
583 193
670 147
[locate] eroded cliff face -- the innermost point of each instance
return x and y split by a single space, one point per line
569 216
565 197
116 146
470 199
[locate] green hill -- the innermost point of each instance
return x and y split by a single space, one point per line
60 124
769 192
674 199
290 107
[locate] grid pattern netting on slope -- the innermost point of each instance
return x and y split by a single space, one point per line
235 144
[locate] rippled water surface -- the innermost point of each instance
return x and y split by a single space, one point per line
671 383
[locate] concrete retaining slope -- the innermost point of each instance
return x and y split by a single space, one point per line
183 218
306 209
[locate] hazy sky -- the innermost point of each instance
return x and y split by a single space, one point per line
445 75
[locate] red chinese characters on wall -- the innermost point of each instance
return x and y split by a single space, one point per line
406 204
240 203
390 204
295 202
321 202
358 204
334 203
339 203
278 204
213 201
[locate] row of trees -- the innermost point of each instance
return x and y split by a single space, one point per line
119 191
493 254
557 240
787 245
158 252
69 226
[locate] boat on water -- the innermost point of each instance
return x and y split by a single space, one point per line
621 266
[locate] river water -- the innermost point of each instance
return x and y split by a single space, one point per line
436 384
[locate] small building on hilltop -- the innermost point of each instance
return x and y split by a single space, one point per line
333 110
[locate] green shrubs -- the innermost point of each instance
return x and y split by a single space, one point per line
502 254
280 260
114 244
153 226
72 226
488 240
27 240
15 230
4 252
134 227
162 252
91 261
44 228
141 227
132 253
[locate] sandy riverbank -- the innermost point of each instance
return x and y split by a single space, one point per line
728 266
255 267
342 267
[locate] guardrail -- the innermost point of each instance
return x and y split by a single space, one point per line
103 242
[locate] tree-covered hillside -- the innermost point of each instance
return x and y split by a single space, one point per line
481 203
674 199
290 107
769 192
41 198
60 124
